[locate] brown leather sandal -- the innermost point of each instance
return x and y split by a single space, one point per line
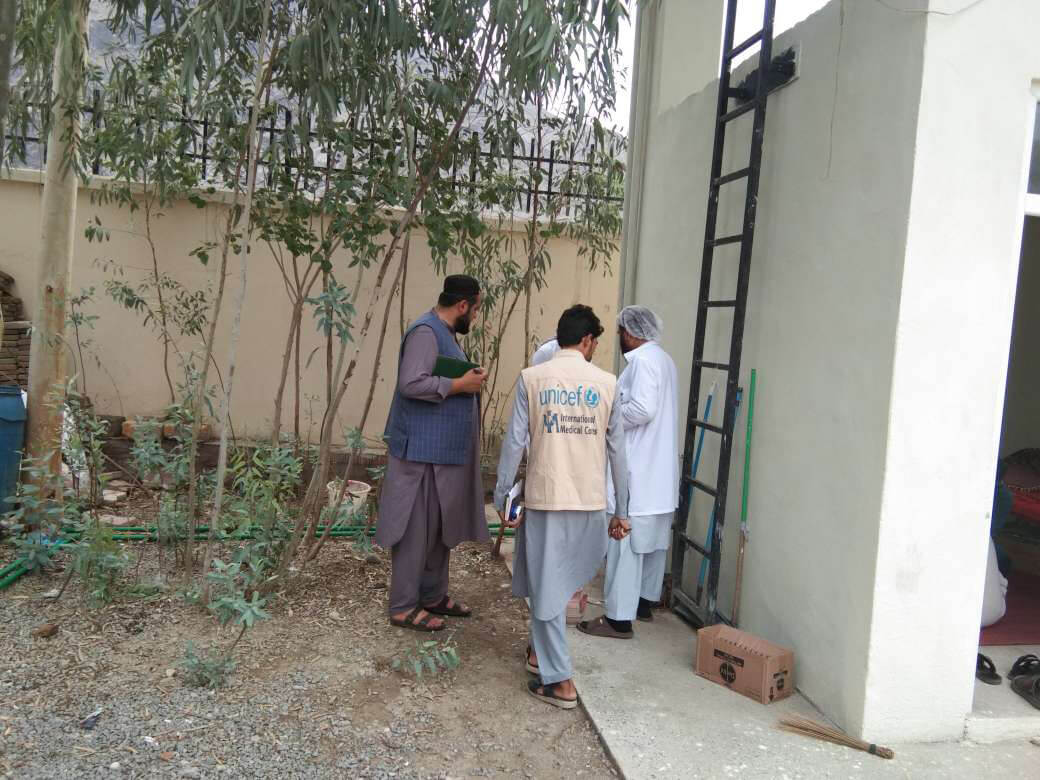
409 622
455 610
1028 687
600 627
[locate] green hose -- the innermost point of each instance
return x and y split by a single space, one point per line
17 569
12 574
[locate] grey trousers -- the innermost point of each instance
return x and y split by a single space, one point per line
549 639
419 561
631 576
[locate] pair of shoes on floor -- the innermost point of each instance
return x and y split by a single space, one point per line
1024 676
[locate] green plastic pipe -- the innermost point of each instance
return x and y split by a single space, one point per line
12 575
17 569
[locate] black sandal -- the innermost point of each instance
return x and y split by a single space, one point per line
1028 687
442 608
409 622
1027 664
986 671
549 696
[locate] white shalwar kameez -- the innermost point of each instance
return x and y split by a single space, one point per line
545 352
647 395
557 552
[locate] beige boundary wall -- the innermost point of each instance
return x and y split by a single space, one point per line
130 378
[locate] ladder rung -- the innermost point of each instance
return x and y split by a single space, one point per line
718 304
690 543
740 48
707 364
706 426
735 239
742 173
738 111
700 486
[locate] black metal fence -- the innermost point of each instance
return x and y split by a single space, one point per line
558 175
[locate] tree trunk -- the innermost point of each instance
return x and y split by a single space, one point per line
294 324
404 278
240 300
402 271
292 345
313 499
328 343
296 392
47 365
8 21
163 324
532 251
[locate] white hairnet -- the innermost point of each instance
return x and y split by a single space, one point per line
640 323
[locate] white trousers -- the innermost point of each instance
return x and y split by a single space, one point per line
549 640
994 595
631 576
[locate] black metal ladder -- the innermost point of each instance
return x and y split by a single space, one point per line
684 603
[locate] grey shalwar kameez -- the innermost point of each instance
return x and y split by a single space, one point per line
426 509
556 552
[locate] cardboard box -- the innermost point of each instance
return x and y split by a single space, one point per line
576 607
745 663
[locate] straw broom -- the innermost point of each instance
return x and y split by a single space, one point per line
808 728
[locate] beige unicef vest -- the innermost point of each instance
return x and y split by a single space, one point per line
569 402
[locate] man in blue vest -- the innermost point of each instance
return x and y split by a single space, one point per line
432 496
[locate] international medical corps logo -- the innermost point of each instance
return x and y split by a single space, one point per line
578 418
551 421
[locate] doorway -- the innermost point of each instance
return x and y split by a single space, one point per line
1011 601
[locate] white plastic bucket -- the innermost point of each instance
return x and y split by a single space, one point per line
353 499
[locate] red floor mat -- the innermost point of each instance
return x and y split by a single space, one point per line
1021 624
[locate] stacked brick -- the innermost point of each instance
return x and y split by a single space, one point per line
14 351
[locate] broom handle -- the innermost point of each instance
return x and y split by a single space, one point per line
744 502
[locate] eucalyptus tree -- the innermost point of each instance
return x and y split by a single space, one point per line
376 101
8 25
482 62
52 58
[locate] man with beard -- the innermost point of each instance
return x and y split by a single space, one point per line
647 393
432 495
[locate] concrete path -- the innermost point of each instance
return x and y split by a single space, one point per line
661 721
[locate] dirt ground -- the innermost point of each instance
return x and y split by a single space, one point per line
314 695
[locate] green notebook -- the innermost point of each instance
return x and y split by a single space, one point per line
452 368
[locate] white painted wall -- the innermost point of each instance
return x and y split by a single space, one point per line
677 54
955 316
881 307
688 40
1022 400
786 14
830 243
882 292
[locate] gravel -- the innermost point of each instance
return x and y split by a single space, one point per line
313 695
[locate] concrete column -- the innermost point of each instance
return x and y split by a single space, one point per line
950 361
